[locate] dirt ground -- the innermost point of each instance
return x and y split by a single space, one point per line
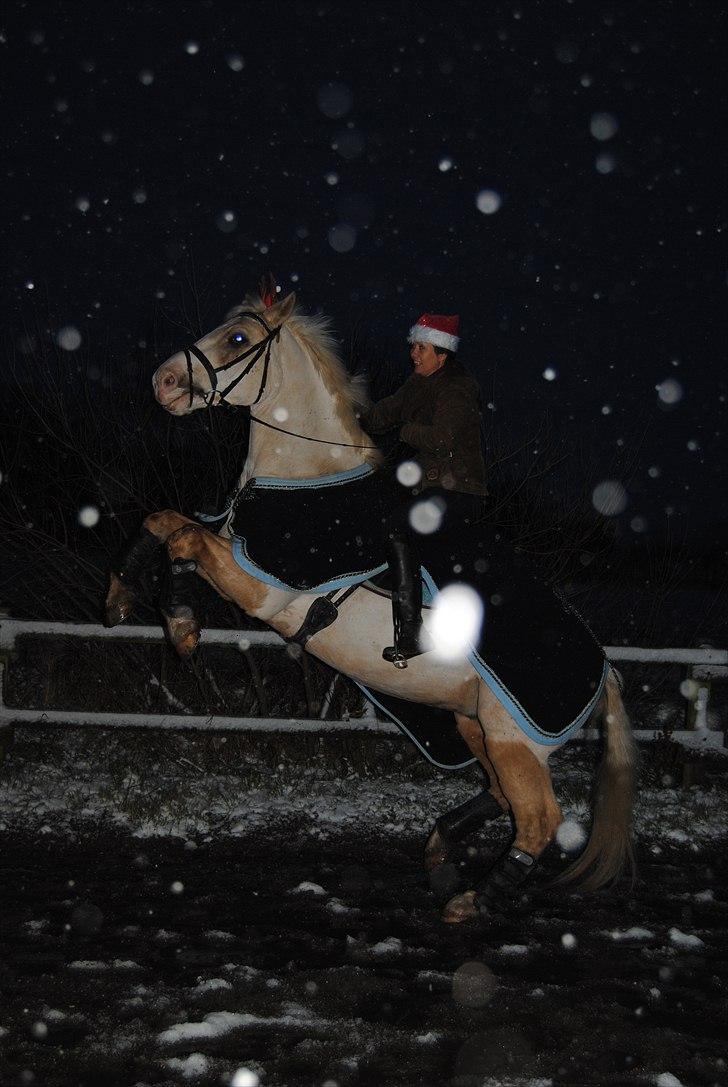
127 961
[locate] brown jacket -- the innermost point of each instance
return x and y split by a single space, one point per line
438 416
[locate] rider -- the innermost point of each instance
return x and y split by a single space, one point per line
438 416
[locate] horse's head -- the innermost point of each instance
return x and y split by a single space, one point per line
229 364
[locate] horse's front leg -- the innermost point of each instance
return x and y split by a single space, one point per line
193 551
125 584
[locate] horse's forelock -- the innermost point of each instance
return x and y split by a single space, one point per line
250 302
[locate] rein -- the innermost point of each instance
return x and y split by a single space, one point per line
257 351
306 438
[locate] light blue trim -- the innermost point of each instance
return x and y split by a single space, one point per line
246 563
524 721
275 483
418 745
211 518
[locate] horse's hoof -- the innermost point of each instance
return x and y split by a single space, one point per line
119 603
444 881
435 851
460 908
184 635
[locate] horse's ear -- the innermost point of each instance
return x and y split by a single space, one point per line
267 289
280 311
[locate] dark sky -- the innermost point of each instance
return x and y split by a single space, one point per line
554 172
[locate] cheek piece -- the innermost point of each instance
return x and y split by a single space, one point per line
254 353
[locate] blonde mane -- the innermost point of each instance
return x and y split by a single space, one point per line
313 333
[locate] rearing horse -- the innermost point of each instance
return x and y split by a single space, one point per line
303 426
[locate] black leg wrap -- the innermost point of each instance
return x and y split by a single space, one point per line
138 556
179 595
471 815
500 888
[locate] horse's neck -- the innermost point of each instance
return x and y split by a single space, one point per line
303 410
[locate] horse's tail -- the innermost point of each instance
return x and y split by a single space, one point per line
609 849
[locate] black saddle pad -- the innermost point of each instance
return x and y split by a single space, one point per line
432 731
535 652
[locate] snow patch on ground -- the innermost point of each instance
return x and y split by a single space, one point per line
190 1067
214 1025
634 933
319 801
685 939
307 888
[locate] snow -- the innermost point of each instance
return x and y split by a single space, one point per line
214 1025
391 946
219 1023
634 933
685 939
307 887
513 949
488 201
245 1077
211 985
36 794
335 906
190 1067
93 965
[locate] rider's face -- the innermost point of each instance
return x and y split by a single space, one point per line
425 358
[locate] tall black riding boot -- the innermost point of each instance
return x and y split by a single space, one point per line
406 603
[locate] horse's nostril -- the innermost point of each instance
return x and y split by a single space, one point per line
169 379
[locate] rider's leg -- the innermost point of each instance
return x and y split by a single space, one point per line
406 602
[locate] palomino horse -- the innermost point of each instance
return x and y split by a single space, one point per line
304 425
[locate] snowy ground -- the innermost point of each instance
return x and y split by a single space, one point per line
167 921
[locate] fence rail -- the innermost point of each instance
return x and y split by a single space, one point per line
704 664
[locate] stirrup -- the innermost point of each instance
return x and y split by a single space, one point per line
399 657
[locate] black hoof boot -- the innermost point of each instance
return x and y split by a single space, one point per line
180 590
455 824
501 887
444 881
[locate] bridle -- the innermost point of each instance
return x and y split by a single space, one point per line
255 353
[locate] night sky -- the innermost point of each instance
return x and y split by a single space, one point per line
554 172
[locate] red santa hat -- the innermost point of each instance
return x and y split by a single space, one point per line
438 329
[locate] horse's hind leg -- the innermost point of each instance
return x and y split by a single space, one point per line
124 585
450 829
454 825
457 823
525 782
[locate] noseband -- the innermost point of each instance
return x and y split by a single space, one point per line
255 353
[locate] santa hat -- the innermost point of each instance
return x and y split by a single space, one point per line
438 329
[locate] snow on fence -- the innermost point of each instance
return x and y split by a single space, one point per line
704 665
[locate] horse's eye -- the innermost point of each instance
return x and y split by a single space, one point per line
237 338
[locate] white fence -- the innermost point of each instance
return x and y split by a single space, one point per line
705 665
